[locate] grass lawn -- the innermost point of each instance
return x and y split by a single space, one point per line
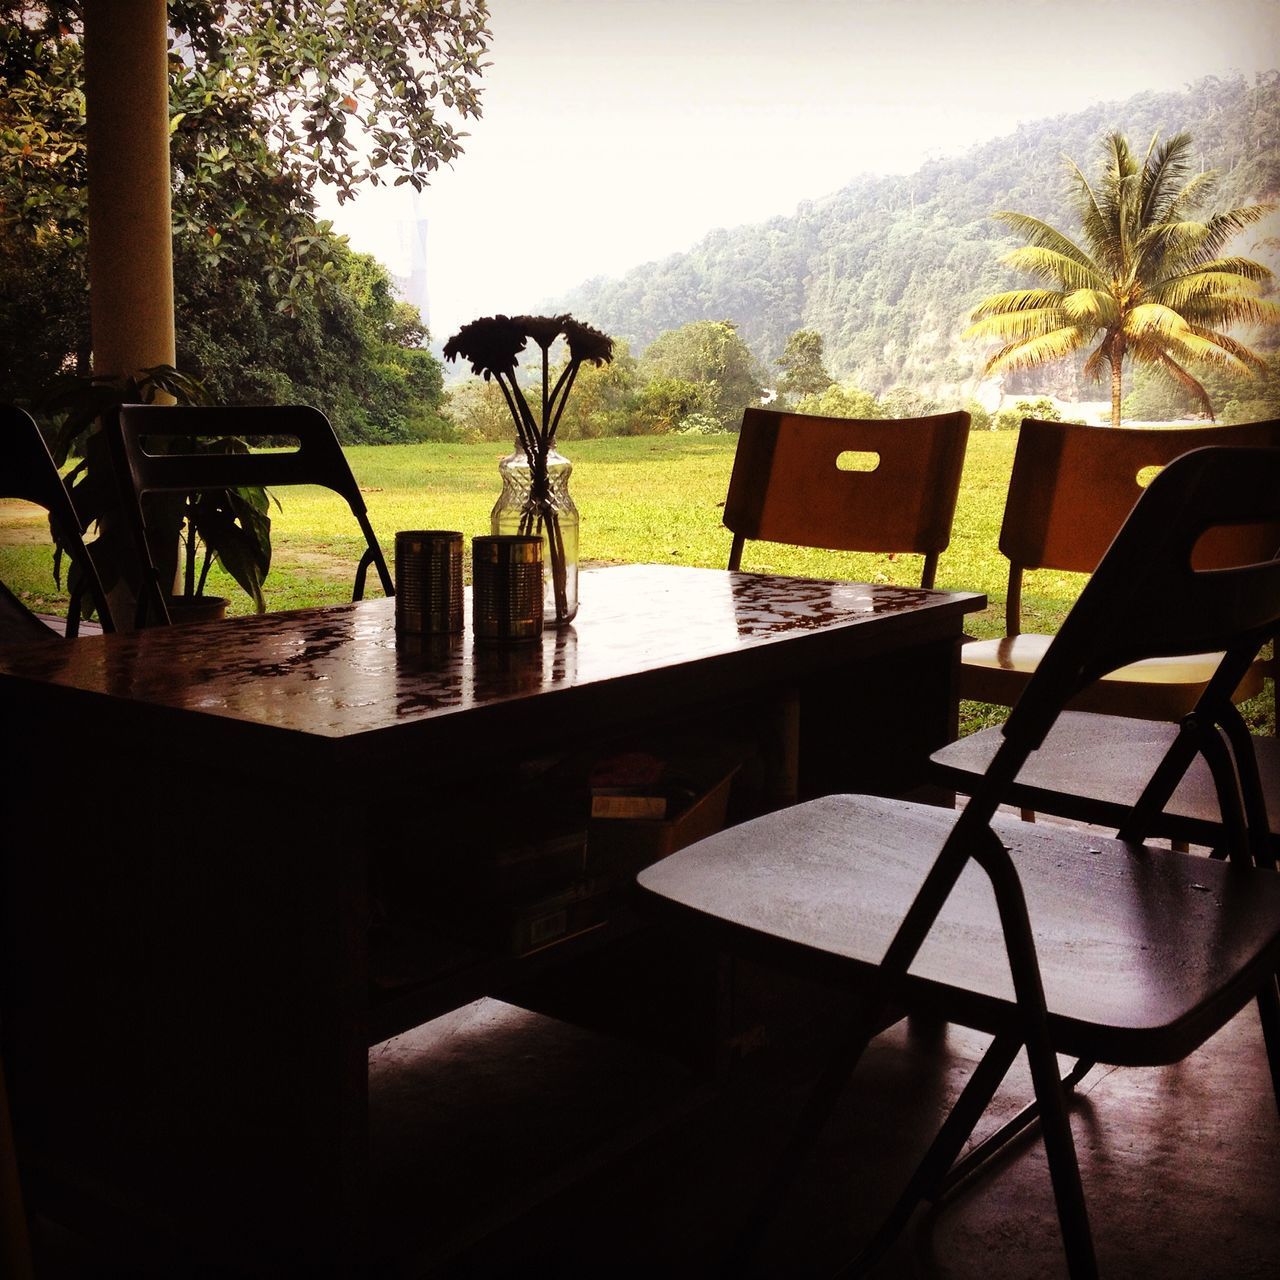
643 499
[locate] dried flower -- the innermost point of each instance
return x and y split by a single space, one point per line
491 344
586 343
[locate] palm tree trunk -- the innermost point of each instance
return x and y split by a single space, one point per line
1116 355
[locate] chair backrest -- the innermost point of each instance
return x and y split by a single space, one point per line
28 472
1073 486
173 467
788 484
1153 596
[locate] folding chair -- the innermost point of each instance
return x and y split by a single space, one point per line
1070 490
146 465
27 471
1094 768
1045 938
900 496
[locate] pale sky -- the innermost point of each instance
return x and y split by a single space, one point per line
619 131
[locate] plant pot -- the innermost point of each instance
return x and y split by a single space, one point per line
184 609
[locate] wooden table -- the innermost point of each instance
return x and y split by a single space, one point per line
197 815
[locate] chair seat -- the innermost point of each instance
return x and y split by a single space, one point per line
1093 768
1171 945
1155 689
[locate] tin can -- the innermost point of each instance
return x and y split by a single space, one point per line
506 587
429 581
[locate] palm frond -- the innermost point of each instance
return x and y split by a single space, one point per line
1175 373
1097 217
1015 326
1151 320
1093 366
1194 194
1032 352
1049 264
1215 310
1166 167
1195 288
1244 357
1037 232
1097 308
1223 227
1017 300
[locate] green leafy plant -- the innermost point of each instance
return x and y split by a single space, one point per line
231 526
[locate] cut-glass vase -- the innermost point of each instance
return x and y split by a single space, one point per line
536 501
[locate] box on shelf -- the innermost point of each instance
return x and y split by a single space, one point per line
620 843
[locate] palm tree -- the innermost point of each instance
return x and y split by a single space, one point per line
1149 284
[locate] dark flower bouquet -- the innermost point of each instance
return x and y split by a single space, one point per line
492 346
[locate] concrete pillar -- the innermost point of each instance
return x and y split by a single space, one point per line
130 226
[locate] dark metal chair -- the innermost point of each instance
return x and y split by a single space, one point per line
1047 939
145 465
27 471
899 496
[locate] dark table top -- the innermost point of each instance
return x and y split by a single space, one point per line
341 672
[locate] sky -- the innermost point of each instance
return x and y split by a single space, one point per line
616 132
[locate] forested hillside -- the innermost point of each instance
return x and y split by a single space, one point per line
887 269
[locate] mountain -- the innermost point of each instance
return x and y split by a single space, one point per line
888 268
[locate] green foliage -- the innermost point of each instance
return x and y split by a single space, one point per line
906 402
671 404
315 78
603 400
1235 397
803 372
271 305
841 400
979 418
229 527
710 353
1010 417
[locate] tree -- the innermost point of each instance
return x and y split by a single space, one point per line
710 352
1149 282
906 402
309 71
266 101
603 401
841 400
1010 418
803 372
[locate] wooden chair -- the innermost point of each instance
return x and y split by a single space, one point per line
1042 937
27 471
318 459
1070 490
788 484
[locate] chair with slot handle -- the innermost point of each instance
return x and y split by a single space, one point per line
1070 490
788 485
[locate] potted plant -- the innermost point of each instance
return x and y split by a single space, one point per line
189 531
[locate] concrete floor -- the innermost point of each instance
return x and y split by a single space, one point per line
556 1153
510 1144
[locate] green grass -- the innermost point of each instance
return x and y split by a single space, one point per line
643 499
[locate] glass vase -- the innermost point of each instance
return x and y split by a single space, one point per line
531 503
